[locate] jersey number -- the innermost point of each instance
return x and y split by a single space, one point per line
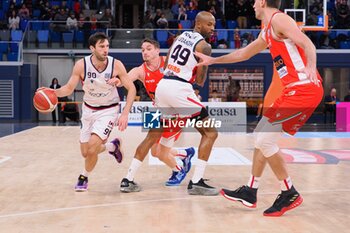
91 75
180 55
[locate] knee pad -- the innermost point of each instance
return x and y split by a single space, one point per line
266 142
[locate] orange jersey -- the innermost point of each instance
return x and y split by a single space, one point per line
287 57
152 78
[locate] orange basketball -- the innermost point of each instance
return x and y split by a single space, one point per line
45 100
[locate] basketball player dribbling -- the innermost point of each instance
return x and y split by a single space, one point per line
180 73
294 57
150 73
99 73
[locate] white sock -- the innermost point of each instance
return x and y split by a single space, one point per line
110 146
253 182
85 173
286 184
181 153
134 166
199 170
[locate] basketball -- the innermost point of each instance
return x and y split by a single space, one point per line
45 100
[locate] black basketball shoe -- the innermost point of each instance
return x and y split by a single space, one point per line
201 188
244 194
285 201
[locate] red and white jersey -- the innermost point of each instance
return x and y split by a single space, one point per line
181 62
97 92
287 56
152 77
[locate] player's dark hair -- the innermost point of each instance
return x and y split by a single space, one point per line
151 41
96 37
273 3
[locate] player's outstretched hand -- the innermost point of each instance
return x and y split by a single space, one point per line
311 74
122 122
204 59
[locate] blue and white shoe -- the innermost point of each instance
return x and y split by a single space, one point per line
187 161
176 178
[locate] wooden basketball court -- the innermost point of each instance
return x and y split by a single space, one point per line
39 168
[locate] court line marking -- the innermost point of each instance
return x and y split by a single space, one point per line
4 158
142 202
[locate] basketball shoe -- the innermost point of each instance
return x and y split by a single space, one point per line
201 188
285 201
176 178
187 160
82 184
244 194
118 155
127 186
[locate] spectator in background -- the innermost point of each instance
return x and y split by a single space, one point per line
213 11
77 7
162 22
241 13
148 20
175 10
157 16
343 15
81 21
23 13
107 18
232 89
215 97
72 23
237 38
182 13
56 85
62 18
93 22
330 105
13 21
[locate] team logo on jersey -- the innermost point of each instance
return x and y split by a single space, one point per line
280 66
107 76
161 70
151 120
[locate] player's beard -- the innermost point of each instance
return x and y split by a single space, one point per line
100 58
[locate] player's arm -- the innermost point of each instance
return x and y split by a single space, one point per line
285 26
137 73
204 48
120 71
134 74
239 55
67 89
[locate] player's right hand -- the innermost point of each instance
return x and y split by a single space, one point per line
44 88
311 74
204 59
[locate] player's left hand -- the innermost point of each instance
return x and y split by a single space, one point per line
115 82
311 74
122 122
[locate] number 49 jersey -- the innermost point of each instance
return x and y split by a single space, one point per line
182 61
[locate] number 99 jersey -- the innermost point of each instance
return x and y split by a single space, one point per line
182 61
